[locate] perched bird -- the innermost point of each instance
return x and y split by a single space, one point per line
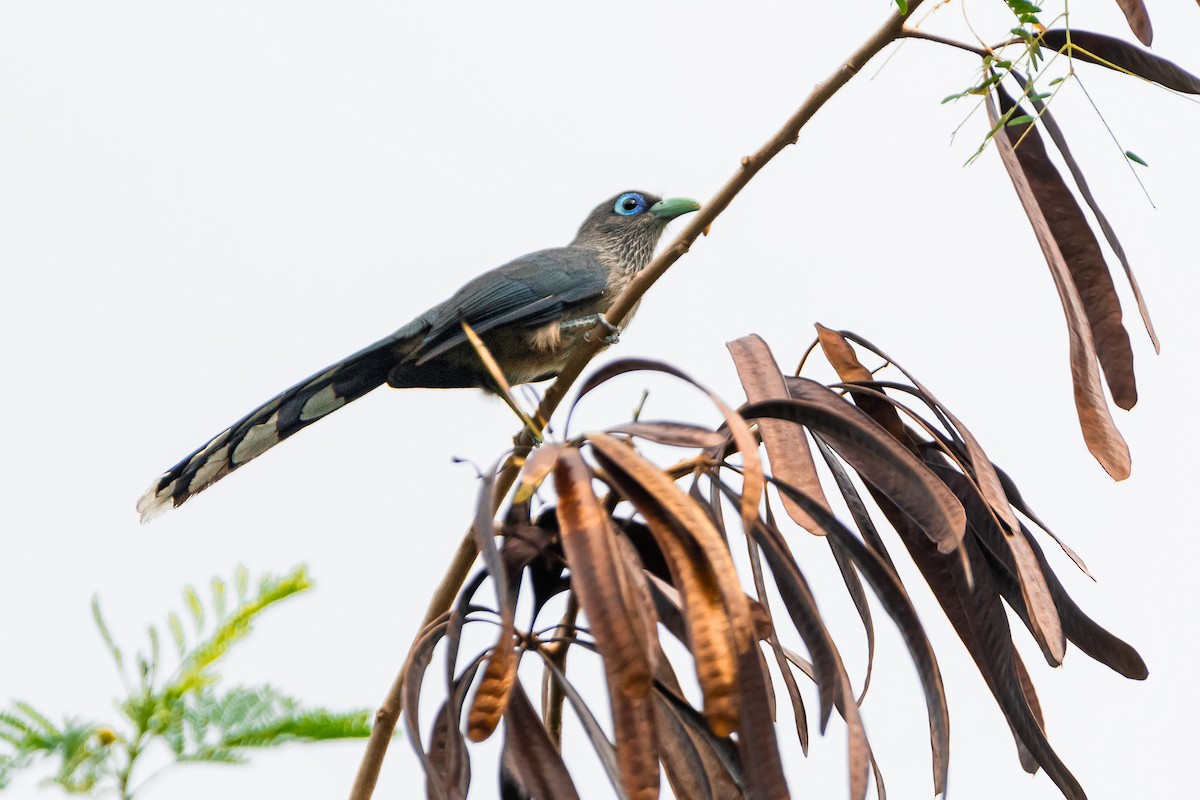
529 313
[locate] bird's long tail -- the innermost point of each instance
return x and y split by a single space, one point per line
269 424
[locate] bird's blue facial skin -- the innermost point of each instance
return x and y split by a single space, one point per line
629 204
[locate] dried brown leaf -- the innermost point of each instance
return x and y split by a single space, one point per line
746 443
687 771
1018 502
859 756
500 674
984 485
417 662
748 710
981 466
535 469
843 359
854 588
1083 631
875 454
1042 617
975 610
701 567
765 625
801 608
601 584
696 617
530 756
1080 252
841 355
492 695
447 748
1060 141
890 591
668 604
722 763
786 444
635 591
675 434
1043 614
1078 627
1139 20
1028 762
1101 435
1114 53
600 743
854 502
756 728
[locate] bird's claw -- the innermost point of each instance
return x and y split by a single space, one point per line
614 333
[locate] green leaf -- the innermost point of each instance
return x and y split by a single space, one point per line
220 597
81 755
310 726
106 635
214 755
1021 120
1135 158
1025 11
176 628
151 677
14 722
241 582
192 720
44 727
902 5
193 671
192 599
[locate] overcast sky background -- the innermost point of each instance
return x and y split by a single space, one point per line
201 203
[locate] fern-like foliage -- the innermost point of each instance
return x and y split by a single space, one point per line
31 735
186 711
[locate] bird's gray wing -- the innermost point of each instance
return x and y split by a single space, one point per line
531 291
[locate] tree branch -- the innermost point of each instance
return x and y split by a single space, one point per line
586 350
912 33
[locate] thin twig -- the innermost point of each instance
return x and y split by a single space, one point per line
556 651
502 387
910 33
589 346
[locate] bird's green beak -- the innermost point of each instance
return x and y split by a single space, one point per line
674 207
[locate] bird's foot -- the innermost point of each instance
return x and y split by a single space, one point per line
614 334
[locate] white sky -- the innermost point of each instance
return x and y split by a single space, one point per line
202 203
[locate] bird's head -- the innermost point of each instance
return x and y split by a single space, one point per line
627 227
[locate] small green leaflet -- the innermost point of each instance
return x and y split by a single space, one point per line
1135 158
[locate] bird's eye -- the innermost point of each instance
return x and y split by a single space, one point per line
629 204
